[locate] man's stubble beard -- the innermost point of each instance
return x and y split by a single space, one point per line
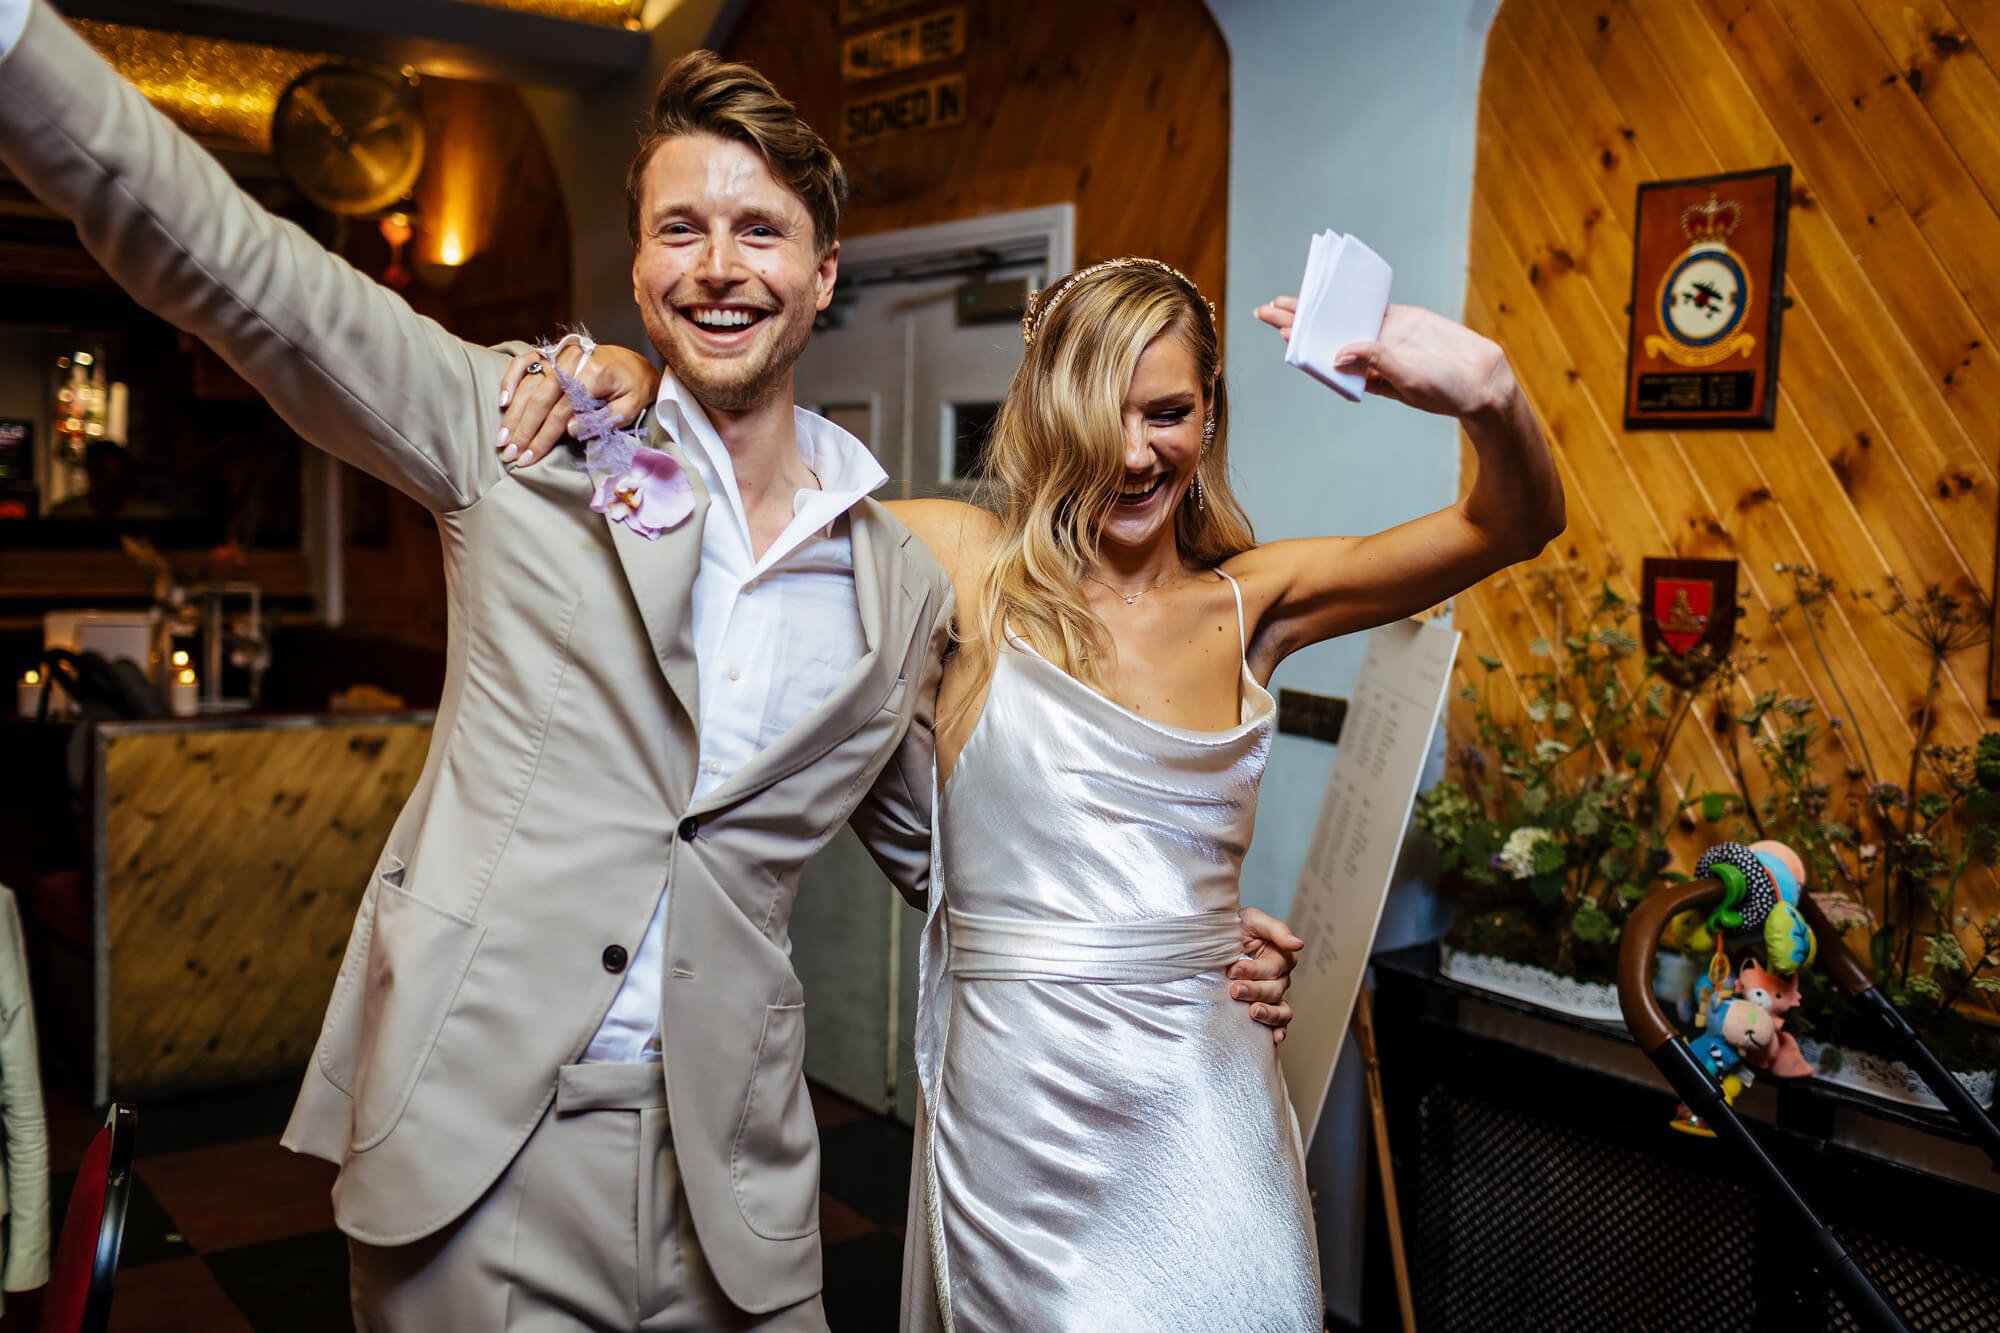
753 386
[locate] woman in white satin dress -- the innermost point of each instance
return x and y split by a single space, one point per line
1102 1125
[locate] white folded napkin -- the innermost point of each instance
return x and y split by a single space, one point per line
1342 300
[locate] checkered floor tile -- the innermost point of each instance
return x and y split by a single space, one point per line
227 1232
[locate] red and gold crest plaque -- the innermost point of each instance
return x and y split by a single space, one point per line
1708 294
1687 615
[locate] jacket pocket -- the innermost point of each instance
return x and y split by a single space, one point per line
774 1164
340 1035
418 956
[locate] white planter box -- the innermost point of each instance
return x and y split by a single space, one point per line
1891 1080
1594 1001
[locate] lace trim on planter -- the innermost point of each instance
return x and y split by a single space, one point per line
1590 1000
1891 1080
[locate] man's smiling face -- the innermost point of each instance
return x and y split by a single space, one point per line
728 274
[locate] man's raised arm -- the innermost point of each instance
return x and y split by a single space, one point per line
347 363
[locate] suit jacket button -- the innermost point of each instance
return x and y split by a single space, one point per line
614 958
689 827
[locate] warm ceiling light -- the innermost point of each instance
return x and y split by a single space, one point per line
609 13
213 89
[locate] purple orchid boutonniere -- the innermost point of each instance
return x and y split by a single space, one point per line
644 488
648 497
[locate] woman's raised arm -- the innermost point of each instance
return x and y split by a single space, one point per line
1303 591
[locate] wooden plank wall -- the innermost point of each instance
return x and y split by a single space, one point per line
233 862
1119 106
1883 459
488 178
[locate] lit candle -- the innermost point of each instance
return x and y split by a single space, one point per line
116 413
28 694
183 699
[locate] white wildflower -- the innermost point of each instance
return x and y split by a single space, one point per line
1517 858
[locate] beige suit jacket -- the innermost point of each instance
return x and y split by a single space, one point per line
556 800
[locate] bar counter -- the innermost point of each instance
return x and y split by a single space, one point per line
224 861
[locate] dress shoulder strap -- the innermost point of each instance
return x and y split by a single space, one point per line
1242 636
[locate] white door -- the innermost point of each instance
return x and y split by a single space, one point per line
895 365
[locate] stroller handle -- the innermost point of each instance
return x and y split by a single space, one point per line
1835 958
1637 949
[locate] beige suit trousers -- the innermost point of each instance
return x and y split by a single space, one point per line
587 1229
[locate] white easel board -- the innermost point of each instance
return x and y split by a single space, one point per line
1391 717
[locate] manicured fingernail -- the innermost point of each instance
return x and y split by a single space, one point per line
571 429
505 395
1349 361
1238 992
503 437
510 453
527 460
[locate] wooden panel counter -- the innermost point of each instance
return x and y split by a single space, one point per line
227 859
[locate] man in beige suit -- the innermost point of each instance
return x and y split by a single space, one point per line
560 1070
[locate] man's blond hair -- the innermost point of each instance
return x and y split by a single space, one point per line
701 93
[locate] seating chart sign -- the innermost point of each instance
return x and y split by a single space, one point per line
1391 716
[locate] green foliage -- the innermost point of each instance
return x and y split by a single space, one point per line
1894 845
1557 820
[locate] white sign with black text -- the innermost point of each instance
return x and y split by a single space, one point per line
1391 717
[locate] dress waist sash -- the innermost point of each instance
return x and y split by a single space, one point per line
999 948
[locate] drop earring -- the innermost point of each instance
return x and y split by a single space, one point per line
1207 438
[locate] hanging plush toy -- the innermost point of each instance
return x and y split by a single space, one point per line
1751 892
1776 996
1770 849
1736 1028
1742 1014
1788 942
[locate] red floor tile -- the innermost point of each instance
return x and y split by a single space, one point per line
830 1108
72 1122
241 1193
838 1222
173 1297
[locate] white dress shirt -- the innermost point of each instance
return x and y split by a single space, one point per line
13 22
772 638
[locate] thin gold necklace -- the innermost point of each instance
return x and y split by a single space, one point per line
1131 597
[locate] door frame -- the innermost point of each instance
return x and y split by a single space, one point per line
1054 225
890 1086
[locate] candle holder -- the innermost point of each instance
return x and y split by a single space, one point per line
28 694
183 693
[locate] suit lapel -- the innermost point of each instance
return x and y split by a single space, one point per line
661 573
888 594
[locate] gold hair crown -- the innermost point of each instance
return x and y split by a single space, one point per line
1038 309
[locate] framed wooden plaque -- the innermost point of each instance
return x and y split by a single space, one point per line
1708 295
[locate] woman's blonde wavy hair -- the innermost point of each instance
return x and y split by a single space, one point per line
1055 461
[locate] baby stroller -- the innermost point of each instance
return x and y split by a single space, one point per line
1663 1044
